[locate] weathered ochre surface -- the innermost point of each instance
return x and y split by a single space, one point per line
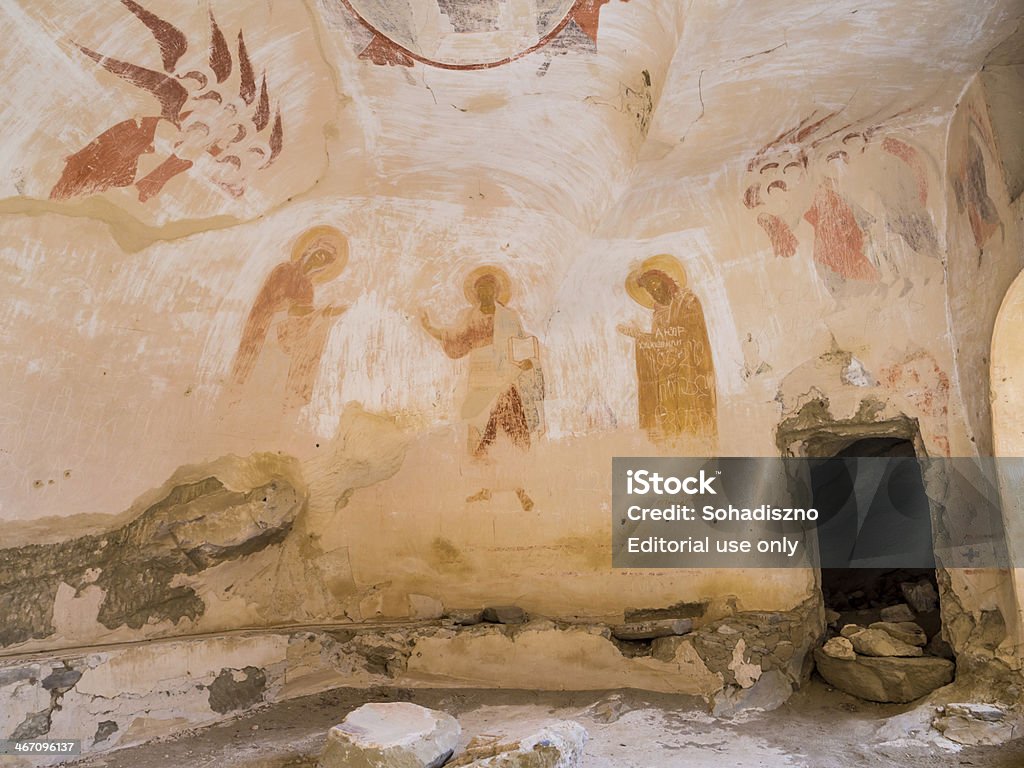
819 182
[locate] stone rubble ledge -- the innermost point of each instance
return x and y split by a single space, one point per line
976 725
654 628
134 693
558 745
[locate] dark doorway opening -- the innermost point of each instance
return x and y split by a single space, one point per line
874 512
876 543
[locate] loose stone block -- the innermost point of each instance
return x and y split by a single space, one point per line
885 679
849 630
875 642
770 692
839 648
559 745
394 735
990 713
905 631
921 596
466 618
504 614
897 613
974 724
648 630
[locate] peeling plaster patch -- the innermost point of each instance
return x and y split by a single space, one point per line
35 725
195 526
104 731
61 677
746 673
75 611
229 694
16 675
857 375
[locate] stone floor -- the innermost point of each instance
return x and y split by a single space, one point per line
818 728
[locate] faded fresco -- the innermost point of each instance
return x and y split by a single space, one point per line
815 178
971 184
675 371
286 331
203 114
504 390
469 34
980 225
256 322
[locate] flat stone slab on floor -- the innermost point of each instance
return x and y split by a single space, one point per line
975 724
392 735
819 727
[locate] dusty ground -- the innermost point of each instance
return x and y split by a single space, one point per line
817 728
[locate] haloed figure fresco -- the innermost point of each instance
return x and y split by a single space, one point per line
284 323
505 387
674 368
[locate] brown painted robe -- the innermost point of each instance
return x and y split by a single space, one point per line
675 372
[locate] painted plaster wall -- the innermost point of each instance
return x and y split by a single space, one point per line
1007 426
985 250
985 256
821 276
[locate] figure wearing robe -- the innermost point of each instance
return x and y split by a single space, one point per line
501 395
675 372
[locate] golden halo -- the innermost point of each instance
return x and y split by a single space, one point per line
335 238
500 276
664 262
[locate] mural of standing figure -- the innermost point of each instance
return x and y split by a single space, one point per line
674 367
284 322
505 387
971 189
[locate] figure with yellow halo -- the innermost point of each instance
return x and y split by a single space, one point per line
284 322
505 387
674 368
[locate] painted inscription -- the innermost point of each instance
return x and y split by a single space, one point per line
674 368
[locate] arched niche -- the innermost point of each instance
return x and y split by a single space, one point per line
1007 397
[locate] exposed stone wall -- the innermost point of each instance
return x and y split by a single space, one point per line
118 697
136 571
985 250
